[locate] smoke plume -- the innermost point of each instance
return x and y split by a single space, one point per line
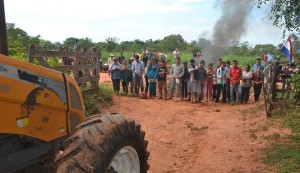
230 27
232 24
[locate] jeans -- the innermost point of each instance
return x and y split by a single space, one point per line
116 85
221 88
233 90
228 89
245 94
257 90
214 93
183 89
201 91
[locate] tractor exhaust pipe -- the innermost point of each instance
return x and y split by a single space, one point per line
3 36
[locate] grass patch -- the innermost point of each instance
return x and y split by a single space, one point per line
283 155
93 102
242 60
283 158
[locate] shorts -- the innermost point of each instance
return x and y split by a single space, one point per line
192 86
162 85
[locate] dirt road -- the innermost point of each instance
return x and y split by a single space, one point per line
206 137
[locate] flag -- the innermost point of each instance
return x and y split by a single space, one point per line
287 49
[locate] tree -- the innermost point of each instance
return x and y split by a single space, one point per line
171 42
284 13
19 41
111 43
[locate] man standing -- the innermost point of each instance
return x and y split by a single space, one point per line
270 58
176 53
121 58
110 62
137 70
258 64
145 56
192 87
227 68
202 77
177 72
235 75
221 83
264 58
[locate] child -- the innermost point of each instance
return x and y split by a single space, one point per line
192 81
126 76
162 79
184 81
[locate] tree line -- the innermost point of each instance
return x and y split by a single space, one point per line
19 41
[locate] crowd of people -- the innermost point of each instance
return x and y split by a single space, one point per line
220 82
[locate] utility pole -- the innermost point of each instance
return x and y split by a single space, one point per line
3 35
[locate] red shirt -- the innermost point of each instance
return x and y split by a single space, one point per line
235 74
265 57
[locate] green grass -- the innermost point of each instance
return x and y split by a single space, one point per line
93 102
283 155
242 60
283 158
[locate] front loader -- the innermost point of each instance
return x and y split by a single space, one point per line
42 118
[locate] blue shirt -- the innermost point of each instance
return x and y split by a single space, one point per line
262 67
115 71
152 71
270 57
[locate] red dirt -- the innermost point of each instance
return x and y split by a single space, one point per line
205 137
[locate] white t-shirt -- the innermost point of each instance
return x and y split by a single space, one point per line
246 75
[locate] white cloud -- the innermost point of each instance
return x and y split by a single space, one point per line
57 20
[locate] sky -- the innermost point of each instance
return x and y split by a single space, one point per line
128 20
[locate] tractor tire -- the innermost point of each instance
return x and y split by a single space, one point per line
105 143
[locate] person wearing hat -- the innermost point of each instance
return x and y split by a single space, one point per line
110 62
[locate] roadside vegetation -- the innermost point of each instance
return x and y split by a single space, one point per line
282 155
94 102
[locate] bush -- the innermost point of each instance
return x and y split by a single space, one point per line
93 102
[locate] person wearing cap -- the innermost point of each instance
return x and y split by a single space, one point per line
137 70
110 62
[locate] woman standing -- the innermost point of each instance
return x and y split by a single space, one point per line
257 80
115 70
152 71
246 78
209 82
